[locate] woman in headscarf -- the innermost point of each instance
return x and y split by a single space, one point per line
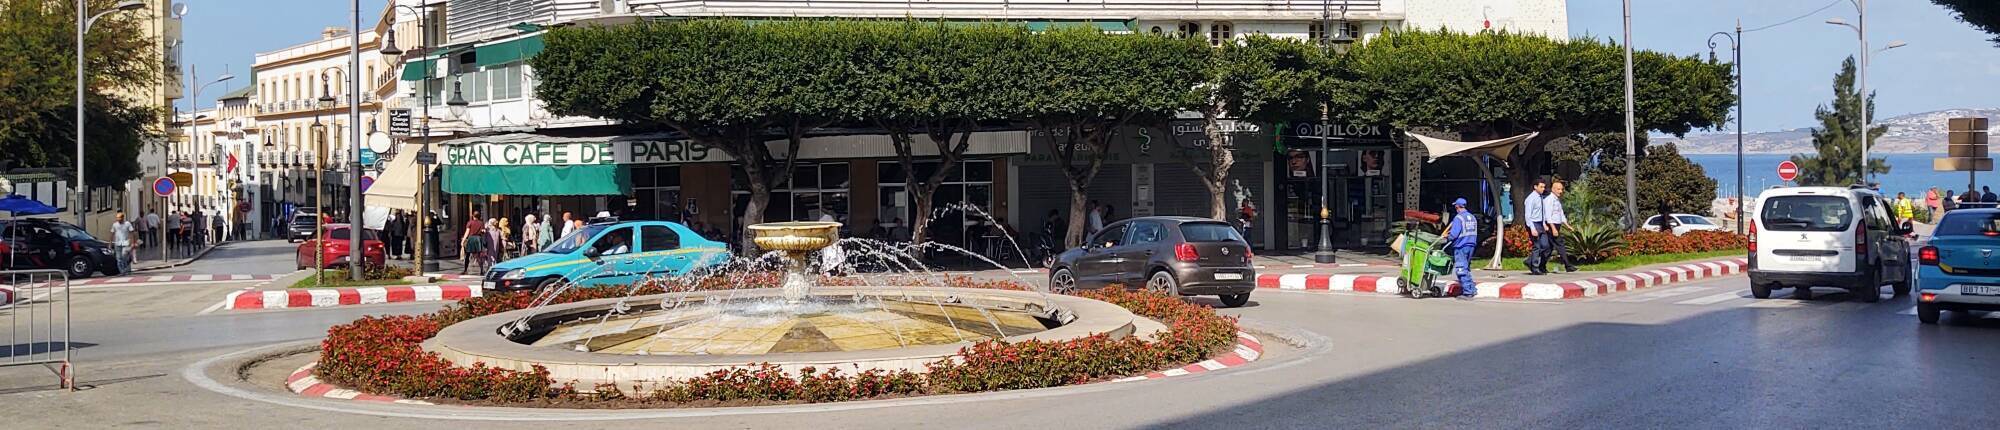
530 232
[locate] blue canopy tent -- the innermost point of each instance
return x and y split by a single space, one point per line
18 205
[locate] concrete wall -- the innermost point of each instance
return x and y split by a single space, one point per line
1545 17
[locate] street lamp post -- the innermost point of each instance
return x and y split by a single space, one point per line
1861 31
1631 146
83 27
1331 32
357 256
194 126
327 100
319 196
1736 63
422 214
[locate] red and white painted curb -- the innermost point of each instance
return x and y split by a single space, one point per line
304 383
328 297
171 278
1320 266
453 276
1248 349
1514 290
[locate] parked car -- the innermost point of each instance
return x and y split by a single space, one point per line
335 248
1802 237
1956 268
32 243
1178 255
610 253
301 227
1683 223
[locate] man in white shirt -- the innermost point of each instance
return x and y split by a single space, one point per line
121 243
153 224
569 226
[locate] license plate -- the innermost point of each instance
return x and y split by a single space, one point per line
1807 258
487 285
1982 290
1228 276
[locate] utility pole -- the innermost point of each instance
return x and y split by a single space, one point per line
357 256
1631 182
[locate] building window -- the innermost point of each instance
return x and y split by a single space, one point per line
816 190
958 208
656 191
1188 29
1157 30
1220 32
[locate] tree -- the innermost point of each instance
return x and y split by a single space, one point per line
1981 14
1261 79
37 91
940 82
1084 85
722 83
1494 85
1837 142
1664 176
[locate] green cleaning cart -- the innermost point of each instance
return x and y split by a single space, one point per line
1425 257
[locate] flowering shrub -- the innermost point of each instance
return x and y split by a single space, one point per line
383 355
1641 242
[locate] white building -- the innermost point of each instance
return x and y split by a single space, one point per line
297 131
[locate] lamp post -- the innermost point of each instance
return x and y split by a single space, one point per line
326 100
83 27
424 264
319 195
1861 31
194 126
1631 181
1736 63
1330 34
357 256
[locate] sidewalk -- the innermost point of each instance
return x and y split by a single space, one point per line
143 265
1505 285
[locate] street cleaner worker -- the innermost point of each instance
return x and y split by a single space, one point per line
1463 236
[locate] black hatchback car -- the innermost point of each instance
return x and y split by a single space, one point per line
1178 255
51 244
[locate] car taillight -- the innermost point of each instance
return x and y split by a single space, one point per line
1753 237
1185 252
1927 256
1860 242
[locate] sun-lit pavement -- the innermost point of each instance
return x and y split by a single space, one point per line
1694 355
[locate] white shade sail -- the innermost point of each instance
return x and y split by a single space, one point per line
1499 148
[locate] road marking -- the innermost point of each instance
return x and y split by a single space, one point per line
1710 300
212 308
1779 304
1661 294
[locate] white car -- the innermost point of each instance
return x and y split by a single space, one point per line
1683 223
1804 237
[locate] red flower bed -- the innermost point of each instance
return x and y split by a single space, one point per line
1654 242
383 355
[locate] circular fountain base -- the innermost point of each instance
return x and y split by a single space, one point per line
851 328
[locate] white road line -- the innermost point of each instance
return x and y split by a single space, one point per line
1911 311
1710 300
212 308
1661 294
1775 303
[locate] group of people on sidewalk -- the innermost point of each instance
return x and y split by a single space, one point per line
1546 224
183 233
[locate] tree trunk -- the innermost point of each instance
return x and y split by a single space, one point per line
1499 224
1077 220
1221 159
760 197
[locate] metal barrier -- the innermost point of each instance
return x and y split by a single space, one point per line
34 305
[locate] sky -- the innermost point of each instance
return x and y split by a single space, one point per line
1788 68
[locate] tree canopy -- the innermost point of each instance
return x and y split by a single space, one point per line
1492 85
1981 14
1836 157
37 91
1260 79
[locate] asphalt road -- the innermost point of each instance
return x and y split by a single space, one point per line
1694 355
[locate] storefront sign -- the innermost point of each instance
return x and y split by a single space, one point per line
529 154
667 152
1141 145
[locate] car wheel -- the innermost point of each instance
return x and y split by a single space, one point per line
1062 281
1802 292
1164 282
551 284
1870 290
1761 291
1902 288
1927 313
79 267
1234 300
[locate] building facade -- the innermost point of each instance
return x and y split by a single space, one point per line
300 112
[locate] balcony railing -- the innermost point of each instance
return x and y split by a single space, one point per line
289 106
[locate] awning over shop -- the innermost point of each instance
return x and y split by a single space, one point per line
419 70
397 188
538 180
509 51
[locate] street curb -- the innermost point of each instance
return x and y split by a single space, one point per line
172 278
190 260
1248 349
304 383
330 297
1389 285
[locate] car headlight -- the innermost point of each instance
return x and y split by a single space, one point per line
105 251
514 274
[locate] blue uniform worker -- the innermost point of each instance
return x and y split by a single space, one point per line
1463 237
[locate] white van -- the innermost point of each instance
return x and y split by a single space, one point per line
1804 237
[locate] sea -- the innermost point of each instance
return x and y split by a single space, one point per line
1909 173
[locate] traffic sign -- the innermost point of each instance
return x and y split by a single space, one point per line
163 186
427 157
399 122
367 157
367 181
1788 170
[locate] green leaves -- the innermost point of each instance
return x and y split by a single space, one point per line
37 89
1836 158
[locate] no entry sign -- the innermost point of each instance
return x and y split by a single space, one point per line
1788 170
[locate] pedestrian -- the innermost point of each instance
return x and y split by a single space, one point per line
1246 219
181 233
1463 237
503 234
1557 222
529 230
121 242
473 242
153 225
1932 203
392 232
217 228
1906 209
1988 197
139 230
1532 210
569 224
1949 203
544 234
199 222
1093 218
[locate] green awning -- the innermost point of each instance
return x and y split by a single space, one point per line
1115 26
585 180
419 70
509 51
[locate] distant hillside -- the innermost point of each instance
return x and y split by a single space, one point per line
1914 133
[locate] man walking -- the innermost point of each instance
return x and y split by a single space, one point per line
1537 234
1557 224
1463 237
1905 208
1988 197
121 243
1949 203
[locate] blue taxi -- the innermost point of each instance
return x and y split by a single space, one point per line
1959 268
608 254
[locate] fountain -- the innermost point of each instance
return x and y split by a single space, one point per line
654 339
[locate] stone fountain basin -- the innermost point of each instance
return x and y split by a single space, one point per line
479 340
